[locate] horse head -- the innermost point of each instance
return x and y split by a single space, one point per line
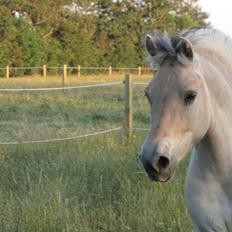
179 105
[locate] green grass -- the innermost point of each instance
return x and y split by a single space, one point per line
85 185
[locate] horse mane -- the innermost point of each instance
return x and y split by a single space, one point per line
210 41
205 41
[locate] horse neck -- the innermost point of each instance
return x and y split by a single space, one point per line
215 149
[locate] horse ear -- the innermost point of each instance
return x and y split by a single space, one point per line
185 48
150 45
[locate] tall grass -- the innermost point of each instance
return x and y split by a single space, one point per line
93 184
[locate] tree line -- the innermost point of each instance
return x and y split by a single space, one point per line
88 32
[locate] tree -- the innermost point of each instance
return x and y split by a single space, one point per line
88 32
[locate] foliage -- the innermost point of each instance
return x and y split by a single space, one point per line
87 32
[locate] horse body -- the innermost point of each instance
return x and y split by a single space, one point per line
191 106
208 188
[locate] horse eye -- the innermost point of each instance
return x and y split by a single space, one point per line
189 97
147 96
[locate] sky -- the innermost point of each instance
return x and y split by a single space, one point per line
220 14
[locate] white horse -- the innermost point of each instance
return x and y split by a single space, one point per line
191 105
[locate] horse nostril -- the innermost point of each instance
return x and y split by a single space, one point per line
162 162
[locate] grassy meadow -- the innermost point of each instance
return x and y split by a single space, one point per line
94 184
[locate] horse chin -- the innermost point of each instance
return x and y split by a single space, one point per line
161 178
165 179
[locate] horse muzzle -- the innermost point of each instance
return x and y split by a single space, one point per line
159 168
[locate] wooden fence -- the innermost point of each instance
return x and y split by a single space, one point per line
128 126
78 70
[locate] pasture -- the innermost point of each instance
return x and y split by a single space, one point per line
93 184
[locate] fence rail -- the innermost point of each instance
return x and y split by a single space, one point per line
44 69
128 118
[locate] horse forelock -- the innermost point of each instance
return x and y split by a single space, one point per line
167 47
205 41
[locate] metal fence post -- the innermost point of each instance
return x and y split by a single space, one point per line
128 126
7 71
64 74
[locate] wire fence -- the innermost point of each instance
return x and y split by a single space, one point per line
61 139
126 128
60 88
140 83
141 129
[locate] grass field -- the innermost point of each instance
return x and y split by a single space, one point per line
84 185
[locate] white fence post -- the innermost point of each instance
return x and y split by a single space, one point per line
64 74
44 70
7 71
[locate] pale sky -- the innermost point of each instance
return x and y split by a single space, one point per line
220 12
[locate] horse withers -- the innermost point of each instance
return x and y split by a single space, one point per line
191 107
